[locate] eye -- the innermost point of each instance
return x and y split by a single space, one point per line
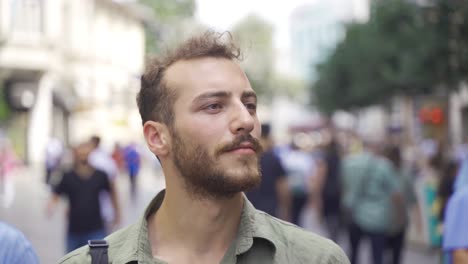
214 108
252 107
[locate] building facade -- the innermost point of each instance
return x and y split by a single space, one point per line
69 69
317 28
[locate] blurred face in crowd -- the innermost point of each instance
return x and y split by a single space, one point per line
215 130
81 153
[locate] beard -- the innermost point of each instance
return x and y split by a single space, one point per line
205 176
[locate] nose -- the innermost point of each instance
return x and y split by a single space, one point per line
242 120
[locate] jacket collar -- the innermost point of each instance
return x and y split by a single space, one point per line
253 225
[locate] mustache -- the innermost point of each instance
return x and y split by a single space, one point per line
236 143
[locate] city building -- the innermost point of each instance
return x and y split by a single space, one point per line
69 69
317 28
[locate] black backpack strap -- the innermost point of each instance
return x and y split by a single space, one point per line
98 251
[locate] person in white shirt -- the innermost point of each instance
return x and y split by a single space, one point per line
101 160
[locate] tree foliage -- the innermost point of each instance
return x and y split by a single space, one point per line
403 49
170 20
4 109
167 10
255 37
450 21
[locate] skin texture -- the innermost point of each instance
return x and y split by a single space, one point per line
209 156
460 256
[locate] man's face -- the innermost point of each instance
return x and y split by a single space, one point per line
81 153
215 132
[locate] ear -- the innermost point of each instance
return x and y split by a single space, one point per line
157 138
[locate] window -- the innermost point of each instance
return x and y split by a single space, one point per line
27 16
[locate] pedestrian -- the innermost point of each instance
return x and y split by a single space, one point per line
82 185
299 166
132 164
431 171
199 119
272 195
15 248
455 235
9 163
103 161
118 157
329 189
446 187
54 153
401 209
370 189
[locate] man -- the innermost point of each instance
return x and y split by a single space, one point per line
132 164
272 196
54 153
82 186
300 167
370 193
199 119
455 238
101 160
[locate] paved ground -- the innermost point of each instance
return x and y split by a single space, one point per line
27 212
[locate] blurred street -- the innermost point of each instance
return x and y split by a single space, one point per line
363 106
27 212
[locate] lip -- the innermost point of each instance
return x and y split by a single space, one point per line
246 144
243 150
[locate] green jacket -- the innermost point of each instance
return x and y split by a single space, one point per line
261 239
369 184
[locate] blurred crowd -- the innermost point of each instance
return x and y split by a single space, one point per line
85 176
358 187
368 187
88 181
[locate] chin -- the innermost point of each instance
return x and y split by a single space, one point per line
250 160
244 172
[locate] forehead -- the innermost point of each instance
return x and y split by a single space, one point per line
192 77
83 149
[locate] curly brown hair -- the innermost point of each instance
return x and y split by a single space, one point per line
155 100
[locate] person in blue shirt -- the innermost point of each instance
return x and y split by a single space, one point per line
455 239
15 247
272 195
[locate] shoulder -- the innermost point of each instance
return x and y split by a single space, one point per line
356 159
99 173
456 217
13 237
115 240
458 201
271 157
9 232
77 256
298 244
67 173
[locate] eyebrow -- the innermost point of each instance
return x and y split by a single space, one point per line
220 94
249 94
224 94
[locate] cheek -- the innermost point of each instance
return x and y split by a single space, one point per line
256 132
203 134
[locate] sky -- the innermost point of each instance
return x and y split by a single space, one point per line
224 14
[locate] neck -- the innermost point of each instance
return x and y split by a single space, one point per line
202 228
84 170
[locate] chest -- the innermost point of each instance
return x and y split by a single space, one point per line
84 186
